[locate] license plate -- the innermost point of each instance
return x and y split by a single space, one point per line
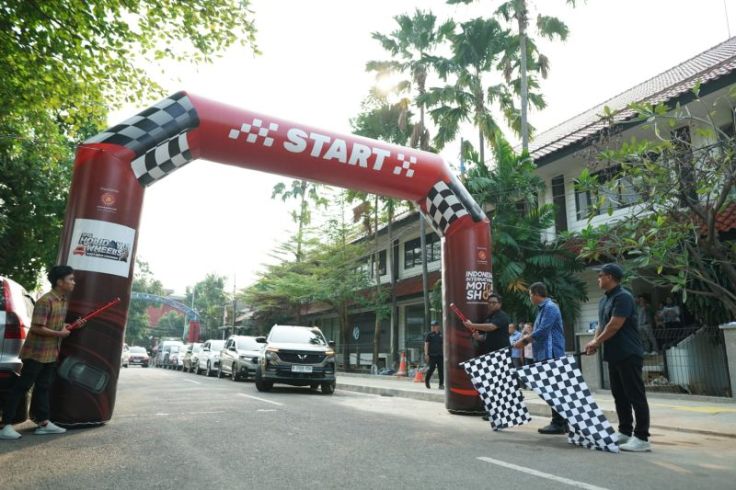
301 369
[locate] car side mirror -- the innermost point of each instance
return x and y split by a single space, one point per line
331 343
205 350
232 348
261 340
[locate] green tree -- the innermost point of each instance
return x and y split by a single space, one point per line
64 64
417 37
210 301
138 326
674 191
64 57
476 50
521 256
171 325
387 122
522 57
305 192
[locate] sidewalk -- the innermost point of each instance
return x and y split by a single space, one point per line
708 416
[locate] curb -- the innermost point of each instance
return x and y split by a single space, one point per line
537 409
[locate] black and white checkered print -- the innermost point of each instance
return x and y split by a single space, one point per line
443 206
493 377
560 383
160 161
149 128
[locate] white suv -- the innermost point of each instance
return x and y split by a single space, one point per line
16 308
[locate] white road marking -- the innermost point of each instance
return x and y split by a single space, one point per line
541 474
261 399
266 410
192 381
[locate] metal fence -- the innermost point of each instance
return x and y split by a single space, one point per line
688 360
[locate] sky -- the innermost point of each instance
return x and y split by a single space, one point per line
211 218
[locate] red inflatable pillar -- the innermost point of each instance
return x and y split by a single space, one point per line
98 241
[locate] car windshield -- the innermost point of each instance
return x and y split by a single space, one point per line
247 344
137 350
217 344
297 336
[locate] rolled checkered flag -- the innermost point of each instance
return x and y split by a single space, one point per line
560 383
492 376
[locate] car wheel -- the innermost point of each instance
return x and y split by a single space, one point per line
328 388
234 372
125 365
264 385
208 371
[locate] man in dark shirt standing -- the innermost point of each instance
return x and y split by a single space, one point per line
433 354
495 328
618 332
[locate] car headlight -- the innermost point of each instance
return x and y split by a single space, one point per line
272 356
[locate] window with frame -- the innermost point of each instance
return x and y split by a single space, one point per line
616 193
382 269
413 251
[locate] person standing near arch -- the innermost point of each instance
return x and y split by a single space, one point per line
548 340
40 351
434 355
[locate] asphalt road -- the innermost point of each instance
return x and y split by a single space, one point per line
179 431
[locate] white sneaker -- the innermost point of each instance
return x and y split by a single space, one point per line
49 428
636 445
622 438
9 433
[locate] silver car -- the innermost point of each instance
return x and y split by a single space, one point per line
239 358
16 308
208 359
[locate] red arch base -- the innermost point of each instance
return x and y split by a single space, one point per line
113 168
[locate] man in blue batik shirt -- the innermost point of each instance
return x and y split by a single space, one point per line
548 341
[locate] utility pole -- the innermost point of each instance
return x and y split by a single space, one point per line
235 304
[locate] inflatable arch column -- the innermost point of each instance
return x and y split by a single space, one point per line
113 168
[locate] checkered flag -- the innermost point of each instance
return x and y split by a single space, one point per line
443 206
560 383
492 376
151 127
160 161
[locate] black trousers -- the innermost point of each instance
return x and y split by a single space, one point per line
436 362
40 375
627 388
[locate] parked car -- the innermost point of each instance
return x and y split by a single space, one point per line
297 356
164 350
208 359
137 356
124 356
190 356
176 356
16 308
239 357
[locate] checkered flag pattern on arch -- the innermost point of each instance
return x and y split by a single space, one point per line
493 377
443 206
149 128
560 383
160 161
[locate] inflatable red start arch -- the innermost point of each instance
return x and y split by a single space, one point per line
112 170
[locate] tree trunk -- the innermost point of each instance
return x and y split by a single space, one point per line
521 17
376 271
481 149
302 212
393 278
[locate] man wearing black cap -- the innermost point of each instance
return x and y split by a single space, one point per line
618 332
433 354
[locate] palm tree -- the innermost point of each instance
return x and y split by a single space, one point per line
522 55
304 191
476 49
409 46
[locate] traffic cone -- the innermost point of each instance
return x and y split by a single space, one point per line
419 377
402 365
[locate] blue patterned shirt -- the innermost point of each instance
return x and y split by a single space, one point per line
548 336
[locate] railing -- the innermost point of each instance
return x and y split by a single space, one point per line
688 360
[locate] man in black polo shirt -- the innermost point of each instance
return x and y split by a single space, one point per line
433 354
618 332
495 326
